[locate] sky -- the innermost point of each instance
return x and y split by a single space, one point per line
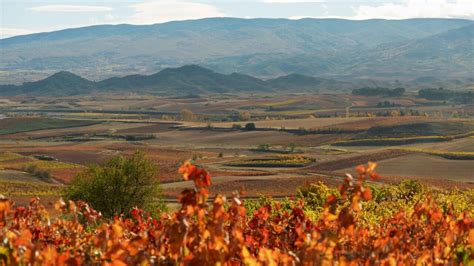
18 17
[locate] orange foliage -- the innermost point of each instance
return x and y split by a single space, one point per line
203 233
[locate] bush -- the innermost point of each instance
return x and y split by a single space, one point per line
315 195
236 126
250 126
34 170
119 185
264 147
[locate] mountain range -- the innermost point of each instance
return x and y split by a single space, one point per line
384 50
189 79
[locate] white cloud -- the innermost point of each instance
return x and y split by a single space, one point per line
162 11
71 8
110 17
10 32
418 9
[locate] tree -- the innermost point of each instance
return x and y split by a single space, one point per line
250 126
187 114
119 185
236 126
245 116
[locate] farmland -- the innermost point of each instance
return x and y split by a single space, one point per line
11 126
296 139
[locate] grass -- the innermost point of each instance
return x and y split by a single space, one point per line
7 156
391 141
17 188
103 115
10 160
282 103
50 165
14 125
279 161
328 150
422 129
457 155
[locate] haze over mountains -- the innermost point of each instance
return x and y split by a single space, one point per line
387 50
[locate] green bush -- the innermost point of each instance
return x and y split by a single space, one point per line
119 185
250 126
315 195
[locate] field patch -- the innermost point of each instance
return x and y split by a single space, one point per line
424 167
452 155
25 124
421 129
353 161
32 189
41 169
148 129
390 141
277 161
306 123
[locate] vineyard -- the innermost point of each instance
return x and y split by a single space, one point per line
414 229
279 161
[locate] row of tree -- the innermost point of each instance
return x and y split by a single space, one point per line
445 95
379 91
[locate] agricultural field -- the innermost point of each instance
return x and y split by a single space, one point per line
434 168
16 125
297 138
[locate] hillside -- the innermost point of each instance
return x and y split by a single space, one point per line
266 48
448 52
172 81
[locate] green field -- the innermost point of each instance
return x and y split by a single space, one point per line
444 128
279 161
390 141
452 155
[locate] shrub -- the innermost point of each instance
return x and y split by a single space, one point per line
315 195
264 147
119 185
34 170
250 126
236 126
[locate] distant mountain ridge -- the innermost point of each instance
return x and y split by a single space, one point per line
189 79
266 48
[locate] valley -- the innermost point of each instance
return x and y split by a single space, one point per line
261 144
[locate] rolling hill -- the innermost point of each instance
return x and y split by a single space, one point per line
189 79
266 48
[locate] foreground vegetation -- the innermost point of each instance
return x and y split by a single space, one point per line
121 184
415 228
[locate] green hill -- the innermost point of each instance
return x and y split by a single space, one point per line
189 79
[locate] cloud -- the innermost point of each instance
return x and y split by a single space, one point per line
110 17
10 32
418 9
71 8
162 11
